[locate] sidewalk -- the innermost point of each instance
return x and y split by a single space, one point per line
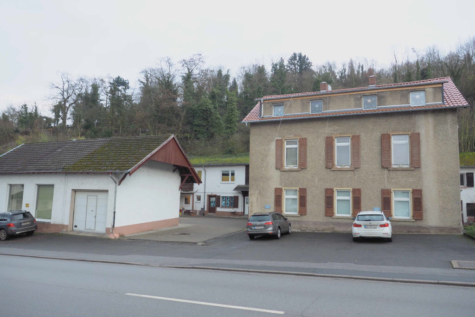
419 257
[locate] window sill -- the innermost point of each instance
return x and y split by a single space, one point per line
227 182
290 169
291 215
402 220
342 168
401 168
343 217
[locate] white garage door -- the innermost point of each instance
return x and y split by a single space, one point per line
90 212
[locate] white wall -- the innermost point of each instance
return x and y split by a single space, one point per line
467 194
64 184
211 177
150 194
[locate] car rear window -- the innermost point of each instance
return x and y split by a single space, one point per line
259 218
370 218
20 216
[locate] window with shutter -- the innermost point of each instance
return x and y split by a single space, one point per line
356 201
402 204
355 151
278 154
302 201
417 204
291 153
386 202
303 153
329 202
291 201
329 152
415 150
236 202
278 200
386 150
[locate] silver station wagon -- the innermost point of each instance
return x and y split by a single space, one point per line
270 224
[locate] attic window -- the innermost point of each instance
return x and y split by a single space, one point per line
370 102
418 98
316 106
278 110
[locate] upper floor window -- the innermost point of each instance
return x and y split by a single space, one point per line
343 152
418 98
227 176
291 153
370 102
400 150
278 110
316 106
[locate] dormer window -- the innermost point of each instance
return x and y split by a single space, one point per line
418 98
316 106
370 102
278 110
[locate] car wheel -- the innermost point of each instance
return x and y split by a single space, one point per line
290 229
356 239
3 235
277 236
30 233
390 239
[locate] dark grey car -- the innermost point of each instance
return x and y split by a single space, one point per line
272 223
16 222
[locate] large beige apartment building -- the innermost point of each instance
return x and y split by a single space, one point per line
321 157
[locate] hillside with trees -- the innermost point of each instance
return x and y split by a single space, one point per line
203 106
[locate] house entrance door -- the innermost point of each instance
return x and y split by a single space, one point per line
211 204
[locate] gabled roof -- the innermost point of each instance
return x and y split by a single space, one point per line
97 156
452 99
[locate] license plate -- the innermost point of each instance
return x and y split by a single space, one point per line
370 227
25 223
258 227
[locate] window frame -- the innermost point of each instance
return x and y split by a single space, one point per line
284 196
230 176
393 199
198 198
10 195
277 105
335 202
37 202
415 92
318 100
231 198
336 151
363 99
463 181
408 146
285 153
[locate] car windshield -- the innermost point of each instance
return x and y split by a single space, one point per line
370 218
259 218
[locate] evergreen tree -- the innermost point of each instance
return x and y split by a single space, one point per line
278 78
207 122
232 116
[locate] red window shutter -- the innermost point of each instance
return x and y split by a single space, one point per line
303 153
236 202
356 193
278 154
278 200
218 201
355 151
329 152
329 202
416 150
386 150
417 204
386 202
469 179
302 201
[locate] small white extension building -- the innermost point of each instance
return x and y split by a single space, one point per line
467 193
116 186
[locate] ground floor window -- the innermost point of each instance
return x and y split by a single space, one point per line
470 210
187 199
44 202
343 202
291 202
198 198
15 198
227 201
402 204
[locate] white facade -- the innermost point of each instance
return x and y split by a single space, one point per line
467 194
212 184
151 194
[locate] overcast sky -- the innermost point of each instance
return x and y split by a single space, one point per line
94 38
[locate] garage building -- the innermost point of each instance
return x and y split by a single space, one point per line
115 186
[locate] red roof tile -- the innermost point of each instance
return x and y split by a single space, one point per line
452 98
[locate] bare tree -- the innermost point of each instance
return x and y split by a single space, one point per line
66 93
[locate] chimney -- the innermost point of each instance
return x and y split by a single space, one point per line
323 86
372 80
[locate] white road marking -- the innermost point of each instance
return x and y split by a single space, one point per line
208 304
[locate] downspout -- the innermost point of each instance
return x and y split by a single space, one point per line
115 199
204 191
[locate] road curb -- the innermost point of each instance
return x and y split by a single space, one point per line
210 268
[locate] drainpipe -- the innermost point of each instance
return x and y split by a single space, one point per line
115 199
204 191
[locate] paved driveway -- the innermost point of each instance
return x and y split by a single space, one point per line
194 230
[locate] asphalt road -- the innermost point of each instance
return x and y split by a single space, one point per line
40 287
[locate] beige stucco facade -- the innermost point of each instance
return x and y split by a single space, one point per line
438 176
387 97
